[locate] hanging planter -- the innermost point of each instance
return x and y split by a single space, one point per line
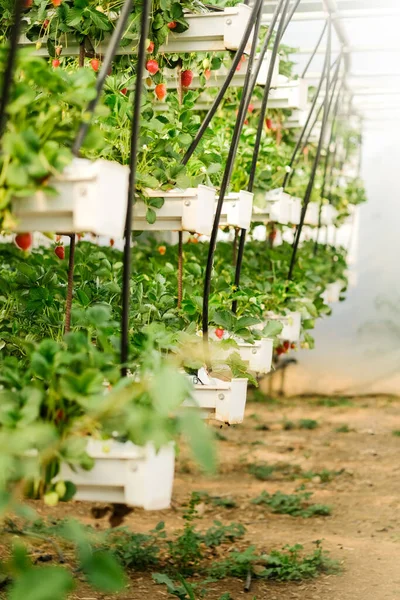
237 210
124 473
328 214
297 119
207 32
182 210
258 355
312 214
295 212
291 323
289 94
218 77
332 292
91 196
223 401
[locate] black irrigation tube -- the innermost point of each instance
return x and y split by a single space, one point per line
280 32
301 142
221 93
9 70
327 159
310 185
256 21
132 181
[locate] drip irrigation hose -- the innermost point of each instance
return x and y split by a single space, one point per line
304 73
301 142
226 178
213 108
310 185
9 70
327 160
283 4
126 276
304 129
105 67
71 262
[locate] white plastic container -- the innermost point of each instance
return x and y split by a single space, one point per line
237 209
224 401
258 355
208 32
125 473
218 77
212 32
332 292
183 210
328 214
312 214
295 211
291 325
92 197
289 94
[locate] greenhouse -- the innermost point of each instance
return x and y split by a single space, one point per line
199 381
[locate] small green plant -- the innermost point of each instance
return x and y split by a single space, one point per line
343 429
296 505
325 475
396 432
219 534
262 427
226 502
288 425
220 437
186 550
261 471
308 424
184 591
333 402
137 551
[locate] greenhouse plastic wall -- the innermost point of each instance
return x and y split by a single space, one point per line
357 348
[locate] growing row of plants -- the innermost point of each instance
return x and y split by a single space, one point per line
57 389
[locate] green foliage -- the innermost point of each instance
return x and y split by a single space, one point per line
308 424
296 505
263 472
343 429
396 432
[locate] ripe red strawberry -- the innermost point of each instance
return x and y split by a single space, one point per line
219 332
250 108
23 240
207 74
239 67
162 250
112 242
160 91
55 62
150 47
28 3
152 66
124 91
95 63
280 350
186 78
286 346
172 25
293 346
56 2
268 123
46 23
60 252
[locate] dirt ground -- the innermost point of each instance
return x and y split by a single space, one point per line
363 532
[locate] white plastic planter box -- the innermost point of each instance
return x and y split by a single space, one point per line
92 197
297 119
280 211
258 355
312 214
260 215
207 32
332 292
291 325
125 473
183 210
328 214
289 94
237 210
223 401
218 78
295 213
212 32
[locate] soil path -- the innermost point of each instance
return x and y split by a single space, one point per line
363 532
